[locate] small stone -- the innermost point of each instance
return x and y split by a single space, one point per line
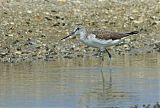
12 23
153 17
131 18
53 11
30 31
18 52
57 17
126 47
47 18
29 11
101 0
137 21
10 35
15 42
68 56
3 54
56 24
156 22
157 44
62 0
47 13
127 40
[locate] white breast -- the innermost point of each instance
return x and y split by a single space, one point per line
99 43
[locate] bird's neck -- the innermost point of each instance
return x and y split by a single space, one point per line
83 35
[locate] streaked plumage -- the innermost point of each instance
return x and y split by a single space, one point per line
106 35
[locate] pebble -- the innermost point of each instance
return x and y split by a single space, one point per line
29 11
2 54
126 47
18 52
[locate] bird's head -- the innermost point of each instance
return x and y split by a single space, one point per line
77 30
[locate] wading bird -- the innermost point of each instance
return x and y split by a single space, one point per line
99 39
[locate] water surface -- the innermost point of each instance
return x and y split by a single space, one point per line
81 83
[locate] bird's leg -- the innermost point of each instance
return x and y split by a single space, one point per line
101 55
101 63
103 78
110 56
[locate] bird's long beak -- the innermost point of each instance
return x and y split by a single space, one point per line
72 33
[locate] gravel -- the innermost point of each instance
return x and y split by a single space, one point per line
31 30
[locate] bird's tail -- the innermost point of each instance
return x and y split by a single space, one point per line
131 33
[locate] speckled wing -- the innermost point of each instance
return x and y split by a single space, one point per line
106 35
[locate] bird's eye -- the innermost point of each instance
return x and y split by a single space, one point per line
78 28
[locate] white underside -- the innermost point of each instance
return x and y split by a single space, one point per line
99 43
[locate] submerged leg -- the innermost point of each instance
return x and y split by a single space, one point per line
101 63
110 56
101 55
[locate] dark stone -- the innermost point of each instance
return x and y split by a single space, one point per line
47 18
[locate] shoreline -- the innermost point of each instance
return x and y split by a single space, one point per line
31 31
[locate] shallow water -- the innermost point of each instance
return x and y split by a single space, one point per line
81 83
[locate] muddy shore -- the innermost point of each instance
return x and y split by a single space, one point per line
31 30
